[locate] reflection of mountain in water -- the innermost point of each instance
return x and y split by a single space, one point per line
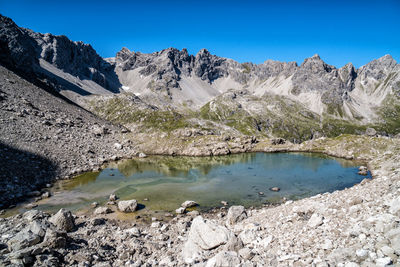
193 168
168 181
311 161
80 180
179 166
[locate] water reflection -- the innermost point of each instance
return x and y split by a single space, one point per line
168 181
83 179
178 166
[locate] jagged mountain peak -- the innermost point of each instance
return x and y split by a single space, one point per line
168 50
203 51
348 74
123 54
387 61
316 56
384 61
316 64
378 68
386 58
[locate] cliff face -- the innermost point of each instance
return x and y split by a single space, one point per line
17 49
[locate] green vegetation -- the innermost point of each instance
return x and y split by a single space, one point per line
335 109
121 110
247 68
332 127
389 114
267 116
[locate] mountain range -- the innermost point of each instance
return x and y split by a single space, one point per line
171 89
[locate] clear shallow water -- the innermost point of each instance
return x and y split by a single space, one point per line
168 181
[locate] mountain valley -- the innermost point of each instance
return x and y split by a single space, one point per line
66 112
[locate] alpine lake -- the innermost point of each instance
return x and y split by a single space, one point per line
161 183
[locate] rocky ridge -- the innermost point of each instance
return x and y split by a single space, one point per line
56 61
321 87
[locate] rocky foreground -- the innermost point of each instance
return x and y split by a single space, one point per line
358 226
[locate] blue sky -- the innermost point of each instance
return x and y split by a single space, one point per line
339 31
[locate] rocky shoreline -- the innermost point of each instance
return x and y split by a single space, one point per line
357 226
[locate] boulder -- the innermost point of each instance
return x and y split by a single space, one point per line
383 261
246 253
100 130
46 195
63 220
118 146
395 243
233 244
102 210
134 231
315 220
23 239
235 214
275 189
189 204
55 239
193 213
364 173
248 236
395 206
207 234
112 197
224 258
180 210
38 228
97 221
127 205
362 170
32 215
142 155
370 132
155 225
204 235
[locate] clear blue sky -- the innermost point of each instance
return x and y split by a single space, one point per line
339 31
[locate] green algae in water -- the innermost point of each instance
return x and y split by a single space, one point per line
168 181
